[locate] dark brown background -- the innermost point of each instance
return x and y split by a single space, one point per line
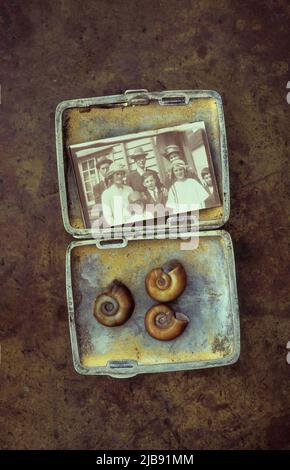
56 50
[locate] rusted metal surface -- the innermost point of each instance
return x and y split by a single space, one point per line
53 52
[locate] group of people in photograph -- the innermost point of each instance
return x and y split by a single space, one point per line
120 191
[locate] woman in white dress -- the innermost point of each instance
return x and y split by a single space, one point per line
185 194
115 199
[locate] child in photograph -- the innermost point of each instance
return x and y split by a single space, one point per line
137 208
207 180
184 189
208 186
154 192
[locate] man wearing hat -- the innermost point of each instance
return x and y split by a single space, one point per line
115 199
172 152
137 209
102 164
135 177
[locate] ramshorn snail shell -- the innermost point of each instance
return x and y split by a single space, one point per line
167 283
115 305
162 323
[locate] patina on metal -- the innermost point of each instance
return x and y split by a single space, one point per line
209 300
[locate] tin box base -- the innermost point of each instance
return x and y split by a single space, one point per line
209 300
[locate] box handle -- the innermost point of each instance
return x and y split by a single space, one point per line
122 368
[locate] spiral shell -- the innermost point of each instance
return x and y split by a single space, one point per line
162 323
167 283
115 305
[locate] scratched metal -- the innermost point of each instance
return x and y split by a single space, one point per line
94 118
210 300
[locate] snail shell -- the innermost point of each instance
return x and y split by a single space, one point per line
115 305
162 323
167 283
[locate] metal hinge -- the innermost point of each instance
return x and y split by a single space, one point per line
143 97
108 243
137 97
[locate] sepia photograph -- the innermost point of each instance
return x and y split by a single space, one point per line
132 178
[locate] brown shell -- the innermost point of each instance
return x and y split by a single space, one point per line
115 305
162 323
167 283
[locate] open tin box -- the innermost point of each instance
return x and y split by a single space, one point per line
212 337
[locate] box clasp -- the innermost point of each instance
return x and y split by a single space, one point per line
122 368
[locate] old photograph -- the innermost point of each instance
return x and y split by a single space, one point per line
130 178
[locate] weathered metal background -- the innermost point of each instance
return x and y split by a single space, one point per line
53 51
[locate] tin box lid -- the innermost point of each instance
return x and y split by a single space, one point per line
89 119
